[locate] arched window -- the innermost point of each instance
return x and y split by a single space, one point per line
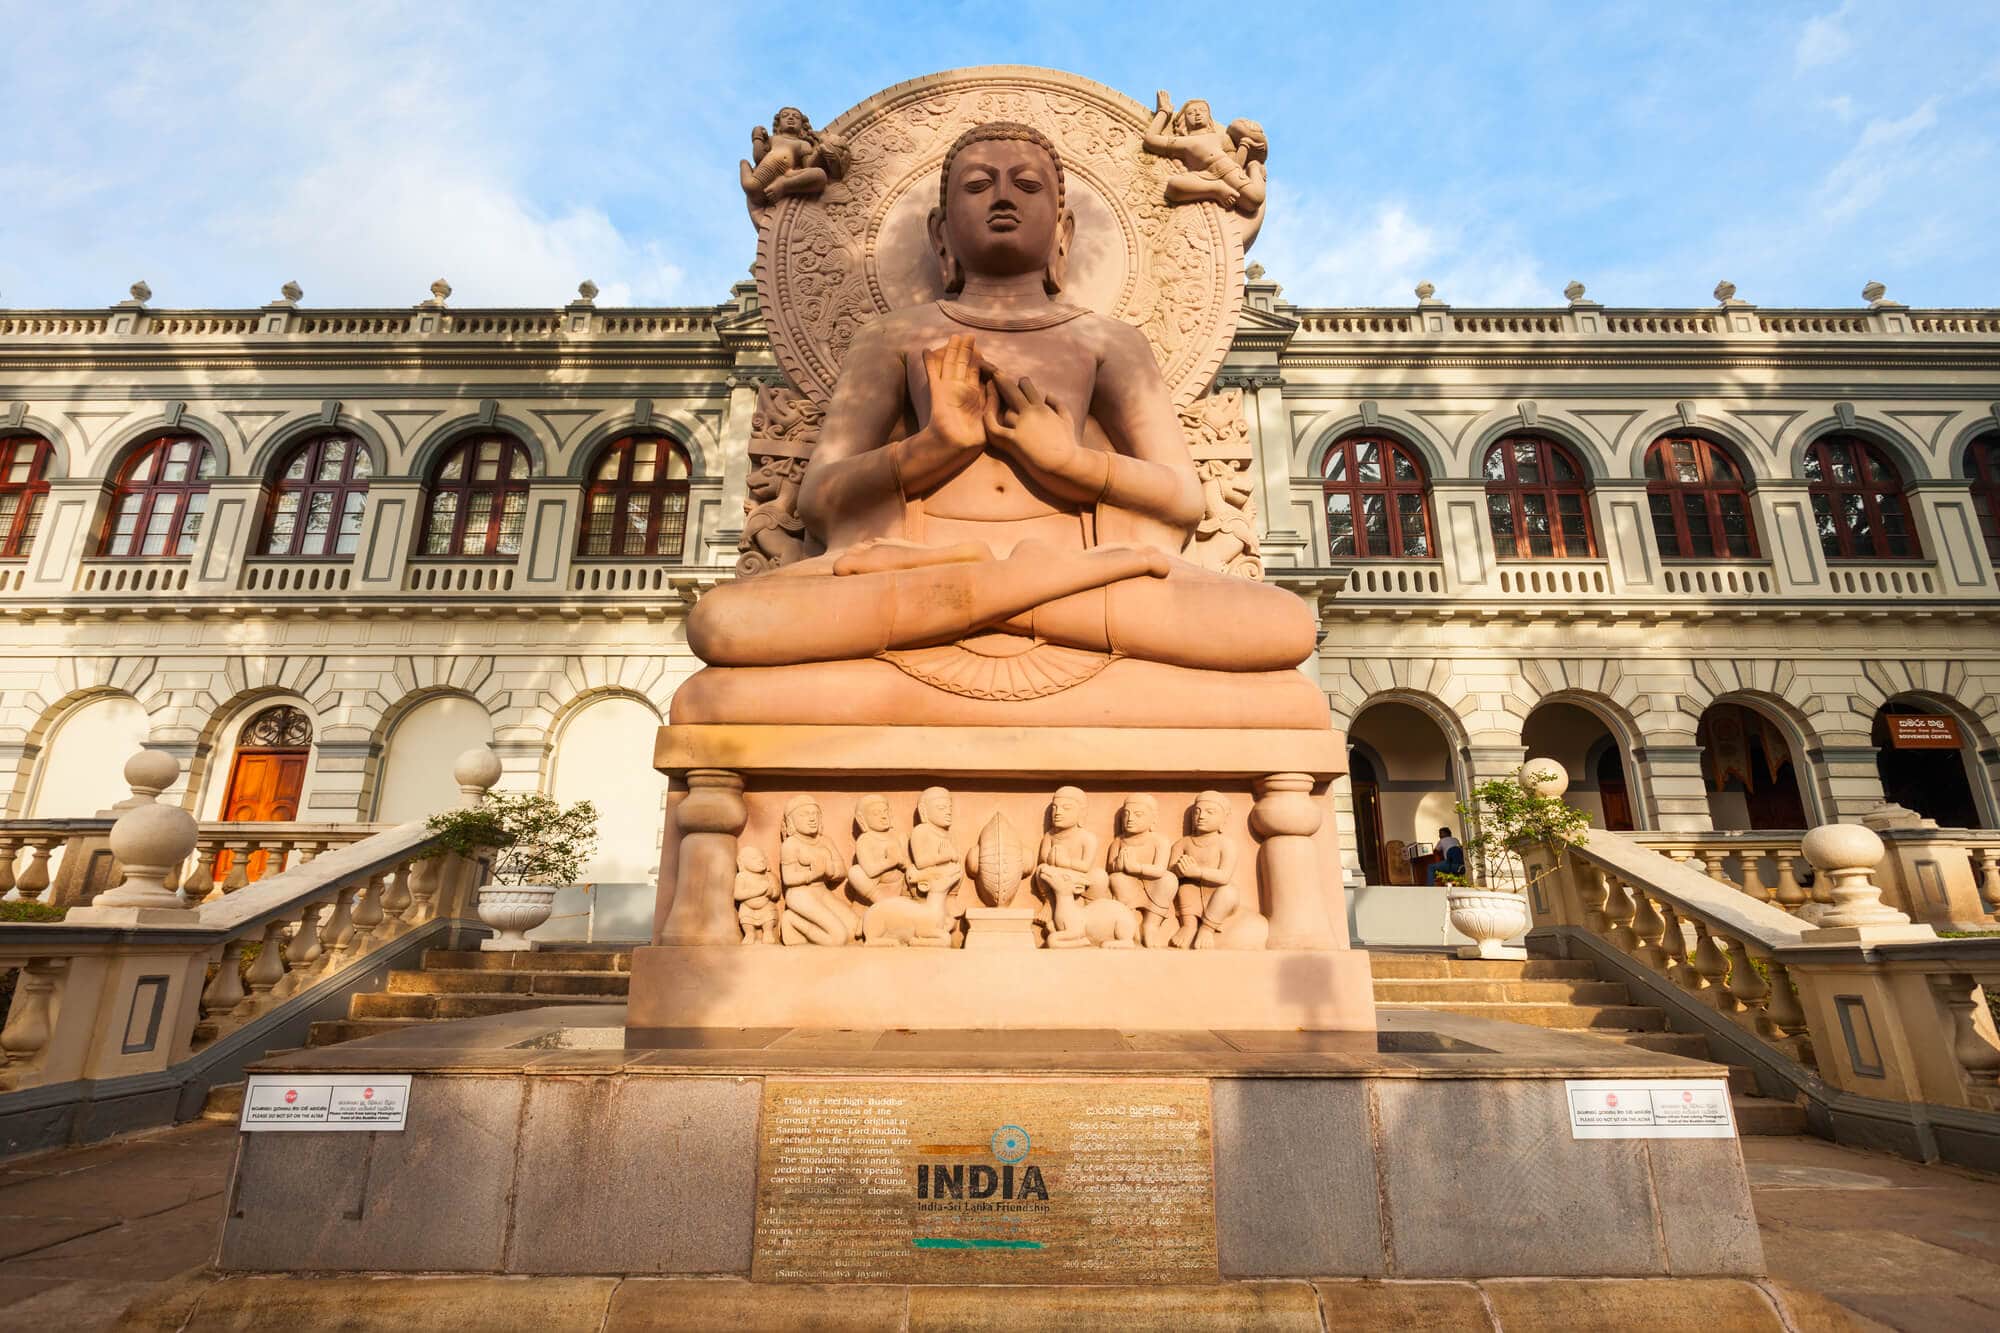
478 499
1537 501
316 501
1701 508
162 493
1982 465
1858 501
1377 501
637 502
24 489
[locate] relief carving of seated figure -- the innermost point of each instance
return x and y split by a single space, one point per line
1000 463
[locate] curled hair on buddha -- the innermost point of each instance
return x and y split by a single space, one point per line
990 131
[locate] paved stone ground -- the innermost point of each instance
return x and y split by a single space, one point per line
85 1232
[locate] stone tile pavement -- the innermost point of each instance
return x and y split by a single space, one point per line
86 1232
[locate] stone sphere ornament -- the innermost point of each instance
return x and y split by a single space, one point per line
1554 784
477 767
150 772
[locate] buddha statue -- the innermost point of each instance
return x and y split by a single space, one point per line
1000 464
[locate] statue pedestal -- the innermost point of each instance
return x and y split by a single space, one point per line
734 782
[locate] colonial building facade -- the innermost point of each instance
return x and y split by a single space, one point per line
1732 567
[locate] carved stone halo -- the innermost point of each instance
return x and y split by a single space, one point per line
826 266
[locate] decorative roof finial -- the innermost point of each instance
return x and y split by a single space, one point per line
587 290
1255 272
141 292
291 291
1875 293
1725 291
1574 291
440 291
1425 291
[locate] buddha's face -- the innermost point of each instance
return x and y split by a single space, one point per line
1137 817
875 815
936 807
1209 813
1066 810
1002 214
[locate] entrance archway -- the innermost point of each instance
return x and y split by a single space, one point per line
267 776
1749 769
1926 762
1406 787
1591 753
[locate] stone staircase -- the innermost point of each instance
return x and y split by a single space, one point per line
1572 995
1543 992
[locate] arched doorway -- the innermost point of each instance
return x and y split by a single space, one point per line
423 746
1749 769
83 757
267 775
1412 771
1590 753
604 755
1925 759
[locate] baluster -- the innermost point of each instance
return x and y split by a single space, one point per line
9 849
1648 928
1711 967
1712 866
29 1022
1989 884
200 882
423 889
225 989
1674 950
275 861
311 849
34 881
1786 1014
266 970
1748 988
396 902
335 931
368 913
1976 1055
300 950
239 864
1753 873
1618 913
1788 894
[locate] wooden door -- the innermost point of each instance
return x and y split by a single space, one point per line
264 787
1617 807
1368 832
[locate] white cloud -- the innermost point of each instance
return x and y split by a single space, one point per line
1842 107
1883 155
1325 254
1824 40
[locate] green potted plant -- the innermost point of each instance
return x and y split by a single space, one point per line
1488 903
535 847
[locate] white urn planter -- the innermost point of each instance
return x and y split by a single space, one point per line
1489 917
514 910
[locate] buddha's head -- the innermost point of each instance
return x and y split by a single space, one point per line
1211 808
1138 814
801 818
1001 209
934 807
1066 808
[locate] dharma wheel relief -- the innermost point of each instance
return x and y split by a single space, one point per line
1141 887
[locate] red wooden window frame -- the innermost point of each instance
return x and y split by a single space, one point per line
1699 501
158 503
24 491
1381 490
1982 467
477 503
316 502
636 505
1530 473
1854 482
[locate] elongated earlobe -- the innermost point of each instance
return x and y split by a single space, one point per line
1058 267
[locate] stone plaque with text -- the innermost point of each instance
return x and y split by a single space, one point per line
1061 1181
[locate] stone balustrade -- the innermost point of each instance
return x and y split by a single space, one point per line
151 972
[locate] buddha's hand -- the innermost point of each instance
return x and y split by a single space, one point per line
1030 426
958 401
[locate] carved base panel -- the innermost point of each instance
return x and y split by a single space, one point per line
1129 990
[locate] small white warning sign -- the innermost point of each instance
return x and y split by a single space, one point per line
325 1102
1689 1108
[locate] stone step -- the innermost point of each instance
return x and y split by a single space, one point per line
1437 965
536 960
1454 990
224 1102
385 1004
1763 1116
331 1032
466 981
1615 1017
1691 1044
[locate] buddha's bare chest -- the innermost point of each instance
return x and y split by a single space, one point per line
1061 364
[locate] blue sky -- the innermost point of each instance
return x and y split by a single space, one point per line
219 149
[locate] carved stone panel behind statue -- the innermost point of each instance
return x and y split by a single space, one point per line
827 265
1059 1181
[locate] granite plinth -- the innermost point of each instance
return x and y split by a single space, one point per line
1438 1147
